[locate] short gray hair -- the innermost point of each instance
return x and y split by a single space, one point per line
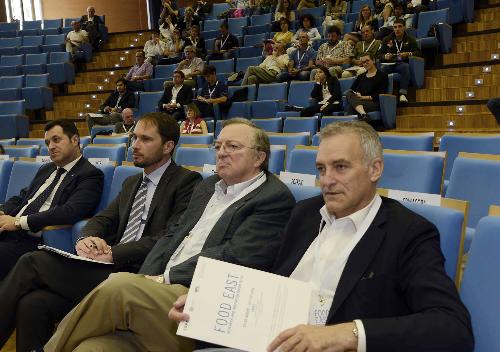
368 137
190 47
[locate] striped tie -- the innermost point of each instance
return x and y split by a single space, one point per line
135 216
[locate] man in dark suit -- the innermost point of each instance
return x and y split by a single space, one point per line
111 109
43 286
236 216
63 192
376 268
91 22
175 97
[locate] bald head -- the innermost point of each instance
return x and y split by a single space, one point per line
128 116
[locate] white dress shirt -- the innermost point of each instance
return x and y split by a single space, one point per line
23 220
222 199
324 261
175 92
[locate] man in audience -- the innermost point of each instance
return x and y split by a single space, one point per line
197 41
236 216
301 61
268 70
369 45
90 22
127 124
398 13
397 48
44 286
62 192
191 66
213 92
334 53
75 39
201 8
225 45
142 70
110 110
175 97
154 48
376 268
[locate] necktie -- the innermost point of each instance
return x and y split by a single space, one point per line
135 216
36 204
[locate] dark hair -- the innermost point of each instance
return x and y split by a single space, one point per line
400 21
165 124
123 80
399 5
325 71
179 73
224 25
369 54
368 25
141 52
2 150
283 19
194 107
209 70
68 127
333 29
309 17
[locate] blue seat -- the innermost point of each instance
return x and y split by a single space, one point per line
154 84
8 141
348 27
165 71
54 43
35 64
326 120
277 159
249 51
209 35
21 176
12 107
212 25
270 100
21 151
217 9
31 45
67 21
407 141
303 160
121 173
148 102
35 24
313 11
102 128
358 4
274 124
315 140
110 139
258 20
7 94
242 63
301 124
194 156
261 28
50 31
31 141
112 152
52 24
13 120
241 109
28 32
236 25
60 68
290 140
299 93
196 139
303 192
10 42
9 26
11 60
480 287
413 171
254 39
37 93
11 82
472 179
440 17
5 170
108 171
223 66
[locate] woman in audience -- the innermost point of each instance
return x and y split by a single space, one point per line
283 10
306 4
334 15
326 93
366 17
194 123
187 21
363 95
167 26
306 26
384 9
284 36
197 41
175 47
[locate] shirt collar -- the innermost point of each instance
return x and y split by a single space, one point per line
70 165
156 175
234 190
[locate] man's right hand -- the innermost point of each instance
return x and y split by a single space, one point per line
107 109
90 247
176 312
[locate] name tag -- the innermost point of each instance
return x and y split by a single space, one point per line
320 307
293 178
43 159
99 161
208 168
415 197
4 157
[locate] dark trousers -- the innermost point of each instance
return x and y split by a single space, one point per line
353 100
135 86
206 109
177 114
313 109
39 291
403 68
12 246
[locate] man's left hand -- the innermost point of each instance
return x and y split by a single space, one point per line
333 338
7 223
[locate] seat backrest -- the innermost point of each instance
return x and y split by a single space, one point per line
407 141
345 84
32 40
24 151
427 18
5 170
9 26
413 171
113 152
325 120
35 24
453 143
303 160
243 63
108 171
12 82
212 25
67 21
313 11
236 25
56 23
21 176
258 20
41 80
55 39
301 124
274 124
480 287
102 128
59 57
148 101
272 91
251 95
164 71
11 60
290 140
277 159
36 59
223 66
217 9
110 139
299 93
12 107
196 139
193 156
254 39
303 192
474 178
121 173
31 141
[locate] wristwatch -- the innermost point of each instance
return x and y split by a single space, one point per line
17 222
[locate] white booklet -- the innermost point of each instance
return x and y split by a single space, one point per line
69 255
242 308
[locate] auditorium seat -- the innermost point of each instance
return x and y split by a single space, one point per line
101 128
165 71
274 124
236 25
120 174
54 43
270 100
31 45
326 120
120 139
217 9
425 20
196 139
10 65
60 68
301 124
299 93
303 160
114 152
249 51
31 141
22 151
407 141
148 102
277 158
242 63
254 39
212 25
5 170
240 108
21 176
258 20
35 64
194 155
290 140
223 66
37 92
13 120
303 192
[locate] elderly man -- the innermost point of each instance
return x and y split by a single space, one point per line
141 71
376 268
301 61
91 22
268 70
191 66
334 53
43 287
368 45
127 124
75 39
236 216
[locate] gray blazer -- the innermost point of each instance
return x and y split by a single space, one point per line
247 233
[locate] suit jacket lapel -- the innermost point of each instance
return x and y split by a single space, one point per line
164 180
359 259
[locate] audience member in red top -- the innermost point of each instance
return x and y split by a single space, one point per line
194 123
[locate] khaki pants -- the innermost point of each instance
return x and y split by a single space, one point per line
127 312
256 74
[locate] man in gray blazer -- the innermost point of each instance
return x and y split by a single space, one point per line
43 287
236 217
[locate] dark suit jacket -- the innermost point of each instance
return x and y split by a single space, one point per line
76 198
247 233
96 21
169 202
127 101
184 97
334 88
394 281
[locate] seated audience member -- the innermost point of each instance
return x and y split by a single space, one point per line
175 97
115 103
381 285
175 47
225 45
326 94
166 27
417 6
75 39
261 7
268 70
63 192
368 45
365 17
194 123
284 36
387 28
395 56
306 4
306 26
384 9
300 63
334 14
212 92
363 95
187 21
43 286
168 9
90 23
127 124
235 216
334 53
154 49
141 71
201 8
197 41
283 10
191 66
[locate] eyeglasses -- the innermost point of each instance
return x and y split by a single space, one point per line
229 147
363 62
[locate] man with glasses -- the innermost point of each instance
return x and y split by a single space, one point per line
368 45
141 71
191 66
235 216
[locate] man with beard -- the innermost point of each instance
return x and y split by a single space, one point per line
43 287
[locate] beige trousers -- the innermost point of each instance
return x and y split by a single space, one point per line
127 312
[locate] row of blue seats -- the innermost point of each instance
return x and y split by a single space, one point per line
34 89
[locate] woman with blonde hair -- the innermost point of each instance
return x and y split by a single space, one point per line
366 17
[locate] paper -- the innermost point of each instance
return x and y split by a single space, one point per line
209 168
43 159
415 197
69 255
242 308
100 161
293 178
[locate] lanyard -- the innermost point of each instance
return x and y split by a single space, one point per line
300 57
398 49
369 46
125 129
224 42
118 100
210 92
